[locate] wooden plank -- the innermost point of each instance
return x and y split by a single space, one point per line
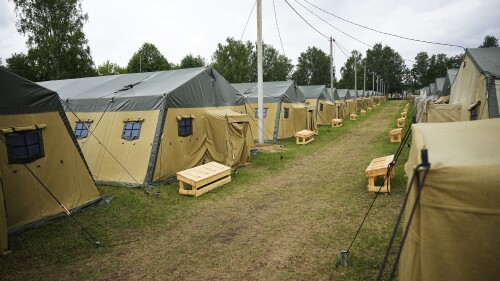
205 189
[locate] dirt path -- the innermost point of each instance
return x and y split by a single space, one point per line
282 227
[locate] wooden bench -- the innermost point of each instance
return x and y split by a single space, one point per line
353 117
401 122
203 178
304 137
336 123
395 135
369 109
403 114
363 112
378 168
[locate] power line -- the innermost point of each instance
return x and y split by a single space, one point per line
371 46
249 16
307 21
382 32
276 18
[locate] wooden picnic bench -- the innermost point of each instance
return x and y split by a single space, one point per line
395 135
353 117
203 178
378 168
401 122
304 137
336 123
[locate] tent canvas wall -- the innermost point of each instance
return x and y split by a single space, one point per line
36 135
477 84
285 112
319 98
340 108
145 126
455 229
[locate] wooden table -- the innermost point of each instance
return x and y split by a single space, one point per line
203 178
378 168
304 137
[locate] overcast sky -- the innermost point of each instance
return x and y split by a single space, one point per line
117 28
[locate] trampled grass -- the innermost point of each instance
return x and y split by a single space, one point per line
285 216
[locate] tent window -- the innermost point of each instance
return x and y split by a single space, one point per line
131 131
286 113
25 146
82 129
474 111
264 113
320 107
185 127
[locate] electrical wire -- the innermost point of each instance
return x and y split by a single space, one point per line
249 16
352 37
322 34
382 32
279 33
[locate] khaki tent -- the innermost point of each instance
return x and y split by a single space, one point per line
285 112
320 100
229 139
37 145
139 128
340 107
475 91
455 229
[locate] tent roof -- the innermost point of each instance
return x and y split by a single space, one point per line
19 95
315 92
335 94
193 87
432 89
486 59
451 74
285 91
354 93
344 94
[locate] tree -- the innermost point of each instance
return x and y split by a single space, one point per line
191 61
387 64
110 68
489 41
21 65
313 68
437 67
347 71
147 59
277 67
57 47
235 61
420 70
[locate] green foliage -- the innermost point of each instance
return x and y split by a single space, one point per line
388 65
347 72
426 69
191 61
489 41
147 59
57 47
313 68
110 68
235 61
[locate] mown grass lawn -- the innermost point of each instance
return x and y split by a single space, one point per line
285 216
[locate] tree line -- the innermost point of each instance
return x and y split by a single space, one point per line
58 49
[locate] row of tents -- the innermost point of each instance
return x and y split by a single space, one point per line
453 207
471 92
135 129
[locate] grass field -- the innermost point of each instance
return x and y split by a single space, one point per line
285 216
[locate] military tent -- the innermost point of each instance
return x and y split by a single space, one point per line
135 129
38 155
285 111
455 229
477 84
321 101
340 108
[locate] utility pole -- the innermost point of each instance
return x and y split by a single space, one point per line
373 83
140 64
260 75
331 65
355 76
364 80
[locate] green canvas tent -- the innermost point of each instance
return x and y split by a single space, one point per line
285 112
135 129
455 229
37 150
320 99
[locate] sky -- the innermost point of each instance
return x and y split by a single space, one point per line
117 28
